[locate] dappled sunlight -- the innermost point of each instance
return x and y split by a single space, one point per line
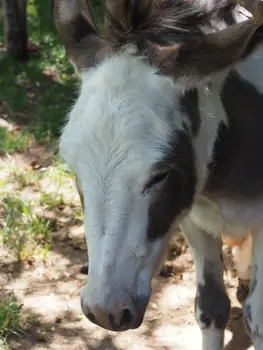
47 306
175 296
51 291
49 287
174 337
42 243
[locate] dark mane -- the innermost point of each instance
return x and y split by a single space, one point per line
163 21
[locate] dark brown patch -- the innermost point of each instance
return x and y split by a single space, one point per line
227 13
91 317
256 39
177 192
173 35
242 291
80 29
237 168
163 21
189 105
207 55
78 33
212 300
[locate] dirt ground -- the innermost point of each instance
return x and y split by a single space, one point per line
49 290
53 320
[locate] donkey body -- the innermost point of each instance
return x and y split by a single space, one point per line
167 130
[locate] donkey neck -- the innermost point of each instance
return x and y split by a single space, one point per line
212 112
212 115
236 168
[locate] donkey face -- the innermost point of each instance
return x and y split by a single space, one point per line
134 161
133 149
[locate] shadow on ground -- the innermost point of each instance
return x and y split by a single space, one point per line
240 339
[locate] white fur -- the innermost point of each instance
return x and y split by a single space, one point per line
208 217
206 253
116 131
212 114
212 339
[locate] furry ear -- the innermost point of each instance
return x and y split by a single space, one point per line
74 20
195 62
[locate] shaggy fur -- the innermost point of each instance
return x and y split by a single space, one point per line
163 21
145 140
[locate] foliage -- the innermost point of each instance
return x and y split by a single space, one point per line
13 141
39 93
35 96
10 311
51 200
23 232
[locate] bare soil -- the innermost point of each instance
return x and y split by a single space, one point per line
51 315
52 318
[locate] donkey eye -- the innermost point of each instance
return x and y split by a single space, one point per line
156 180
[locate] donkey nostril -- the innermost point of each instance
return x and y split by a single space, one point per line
126 317
91 317
112 322
125 320
85 269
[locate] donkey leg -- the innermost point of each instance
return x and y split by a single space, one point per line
242 258
253 309
212 305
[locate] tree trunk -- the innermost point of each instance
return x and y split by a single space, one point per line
15 19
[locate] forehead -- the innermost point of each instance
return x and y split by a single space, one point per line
125 114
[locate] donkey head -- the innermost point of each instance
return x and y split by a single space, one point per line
136 151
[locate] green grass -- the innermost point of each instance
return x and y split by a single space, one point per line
39 93
10 311
13 142
36 96
51 200
23 232
24 178
78 214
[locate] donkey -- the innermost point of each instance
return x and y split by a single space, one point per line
228 13
166 131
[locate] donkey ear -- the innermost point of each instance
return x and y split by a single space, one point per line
194 62
75 23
